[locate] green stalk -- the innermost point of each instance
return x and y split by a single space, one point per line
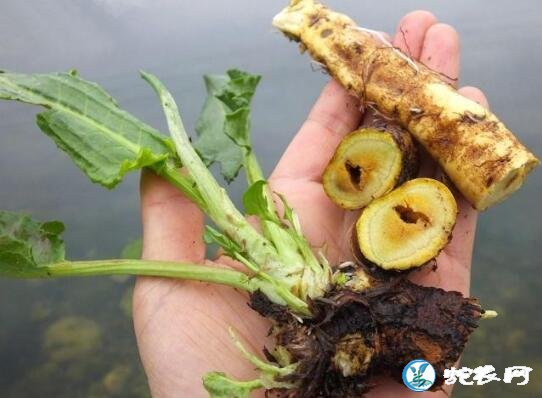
218 205
278 278
254 174
168 269
252 167
183 183
290 243
221 386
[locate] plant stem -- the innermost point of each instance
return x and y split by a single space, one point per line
252 167
290 243
218 205
183 183
168 269
254 174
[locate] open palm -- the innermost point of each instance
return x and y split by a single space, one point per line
181 326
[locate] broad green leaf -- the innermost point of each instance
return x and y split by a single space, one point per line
27 247
240 88
213 144
236 98
237 126
218 385
85 122
224 123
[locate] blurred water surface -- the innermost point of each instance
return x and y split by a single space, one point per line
73 338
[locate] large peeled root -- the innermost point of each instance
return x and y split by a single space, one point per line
476 150
369 163
409 226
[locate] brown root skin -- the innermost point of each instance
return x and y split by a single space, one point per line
411 162
369 163
407 227
355 336
475 149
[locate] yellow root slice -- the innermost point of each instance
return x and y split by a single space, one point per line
409 226
475 149
367 164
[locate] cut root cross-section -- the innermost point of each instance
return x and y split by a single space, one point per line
407 227
367 164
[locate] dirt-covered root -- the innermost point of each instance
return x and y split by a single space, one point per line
407 227
376 332
475 149
421 322
369 163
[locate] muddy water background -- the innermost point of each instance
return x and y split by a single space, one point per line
73 338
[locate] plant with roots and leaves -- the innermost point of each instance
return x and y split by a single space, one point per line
333 327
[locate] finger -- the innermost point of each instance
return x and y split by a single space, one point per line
411 32
440 51
474 94
172 225
335 114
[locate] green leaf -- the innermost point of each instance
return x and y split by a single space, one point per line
30 249
240 88
85 122
27 247
213 145
218 385
237 126
290 215
255 201
211 235
224 123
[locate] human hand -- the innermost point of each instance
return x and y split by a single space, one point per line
182 326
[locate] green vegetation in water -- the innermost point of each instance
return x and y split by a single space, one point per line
72 338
